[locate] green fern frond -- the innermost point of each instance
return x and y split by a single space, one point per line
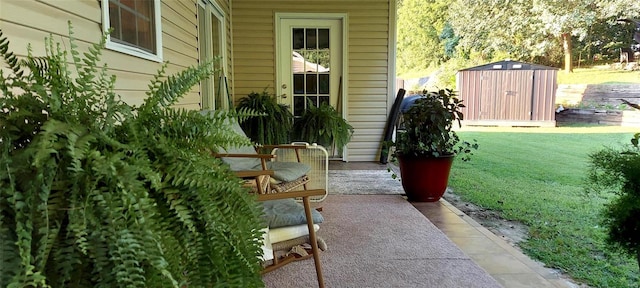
166 93
9 57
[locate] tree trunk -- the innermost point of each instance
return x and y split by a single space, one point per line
567 46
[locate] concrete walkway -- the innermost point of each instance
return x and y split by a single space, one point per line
503 262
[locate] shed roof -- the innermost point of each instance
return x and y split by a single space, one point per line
509 65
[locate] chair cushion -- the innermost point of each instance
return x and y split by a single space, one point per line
241 163
290 232
287 212
287 171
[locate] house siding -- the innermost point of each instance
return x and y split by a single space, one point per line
30 21
367 55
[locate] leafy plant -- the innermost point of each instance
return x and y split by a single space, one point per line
323 125
98 193
275 123
429 127
618 171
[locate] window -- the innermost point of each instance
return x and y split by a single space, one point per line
135 27
211 40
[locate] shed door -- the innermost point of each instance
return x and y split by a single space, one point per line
506 95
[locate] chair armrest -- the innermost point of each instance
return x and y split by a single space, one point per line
260 156
284 146
292 194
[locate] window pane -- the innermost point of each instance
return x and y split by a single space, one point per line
298 83
129 34
311 39
323 38
133 22
312 84
129 4
114 20
145 35
298 38
144 8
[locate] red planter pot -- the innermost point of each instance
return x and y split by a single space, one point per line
425 179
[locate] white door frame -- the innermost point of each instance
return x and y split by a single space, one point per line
280 78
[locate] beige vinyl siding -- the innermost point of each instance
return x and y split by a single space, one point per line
366 58
30 21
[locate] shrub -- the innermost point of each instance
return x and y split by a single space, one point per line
618 171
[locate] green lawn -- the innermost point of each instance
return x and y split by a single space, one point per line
599 76
537 177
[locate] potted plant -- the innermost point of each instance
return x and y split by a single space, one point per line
617 171
323 125
425 149
95 192
275 123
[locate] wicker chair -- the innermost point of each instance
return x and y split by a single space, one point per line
275 182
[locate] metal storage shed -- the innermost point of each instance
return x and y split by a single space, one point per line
508 93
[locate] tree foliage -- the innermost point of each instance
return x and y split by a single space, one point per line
98 193
420 23
531 31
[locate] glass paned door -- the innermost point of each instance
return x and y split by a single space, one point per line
309 63
211 40
310 66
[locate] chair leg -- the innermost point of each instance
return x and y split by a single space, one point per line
314 241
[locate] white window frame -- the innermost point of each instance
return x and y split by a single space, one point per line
213 8
131 50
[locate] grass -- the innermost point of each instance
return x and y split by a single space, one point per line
536 176
599 76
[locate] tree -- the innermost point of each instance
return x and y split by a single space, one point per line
420 23
565 19
494 27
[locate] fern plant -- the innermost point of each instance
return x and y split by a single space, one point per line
275 123
98 193
323 125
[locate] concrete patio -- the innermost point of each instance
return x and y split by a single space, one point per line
458 253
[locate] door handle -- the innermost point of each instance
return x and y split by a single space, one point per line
284 95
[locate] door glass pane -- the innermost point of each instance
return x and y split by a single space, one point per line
211 43
322 58
216 39
312 41
312 84
324 100
298 38
312 101
298 83
298 106
323 85
323 38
